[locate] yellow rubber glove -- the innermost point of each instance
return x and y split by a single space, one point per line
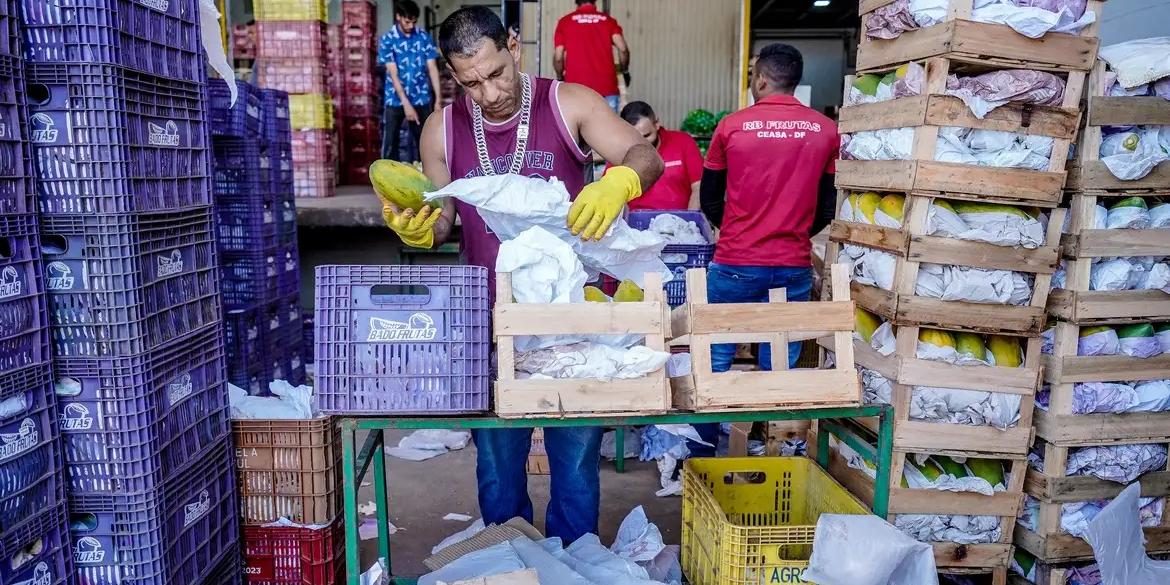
602 201
415 229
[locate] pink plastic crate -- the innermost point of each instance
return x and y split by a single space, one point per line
293 75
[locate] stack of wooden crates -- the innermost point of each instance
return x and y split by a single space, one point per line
958 46
1060 432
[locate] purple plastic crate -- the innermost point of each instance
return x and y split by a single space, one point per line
17 191
239 119
129 424
37 552
241 169
251 278
121 285
30 454
109 140
11 16
679 257
246 348
307 333
287 218
229 571
24 320
276 125
402 339
164 537
156 37
249 224
280 165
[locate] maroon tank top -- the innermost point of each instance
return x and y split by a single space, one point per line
551 152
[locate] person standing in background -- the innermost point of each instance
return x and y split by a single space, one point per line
412 78
678 187
584 41
768 187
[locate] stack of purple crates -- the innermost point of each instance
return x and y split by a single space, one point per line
34 536
120 138
257 235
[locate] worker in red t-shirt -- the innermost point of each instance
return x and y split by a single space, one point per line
678 187
768 187
584 41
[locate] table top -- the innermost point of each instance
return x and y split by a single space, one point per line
353 206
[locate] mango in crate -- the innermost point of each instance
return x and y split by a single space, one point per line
867 83
971 344
929 468
865 322
1087 331
972 207
628 292
400 184
1137 202
1006 350
893 205
594 295
988 469
866 204
936 337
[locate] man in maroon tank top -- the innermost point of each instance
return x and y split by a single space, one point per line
509 122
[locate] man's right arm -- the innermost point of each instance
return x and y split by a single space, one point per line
619 41
433 151
400 91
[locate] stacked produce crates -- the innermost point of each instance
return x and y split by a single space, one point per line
1107 350
290 470
120 141
257 236
361 104
34 536
948 214
291 51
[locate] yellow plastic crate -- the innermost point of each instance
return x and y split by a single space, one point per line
310 110
750 520
290 10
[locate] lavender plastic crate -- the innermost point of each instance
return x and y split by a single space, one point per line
17 191
679 257
241 169
11 15
24 320
240 119
122 285
248 224
287 218
37 552
109 140
129 424
275 124
229 571
251 278
246 348
280 164
307 333
156 37
164 537
402 339
30 454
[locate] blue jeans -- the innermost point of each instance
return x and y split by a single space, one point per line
748 284
574 459
615 102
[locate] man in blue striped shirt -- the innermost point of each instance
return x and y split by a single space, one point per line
412 78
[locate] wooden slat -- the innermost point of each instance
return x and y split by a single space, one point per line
1083 488
1107 306
973 316
1012 184
867 6
911 501
1042 120
1095 429
879 175
877 54
1060 548
1094 175
882 303
949 555
771 317
580 397
1058 50
865 356
1111 243
919 372
791 389
891 240
578 318
951 437
1128 111
1109 367
939 250
900 113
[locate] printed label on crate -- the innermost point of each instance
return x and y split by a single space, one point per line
252 110
60 276
170 264
778 575
260 569
197 509
179 389
41 575
88 551
11 284
165 135
44 129
159 5
75 417
27 437
419 327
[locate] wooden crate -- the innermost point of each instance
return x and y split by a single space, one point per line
905 370
1064 369
912 247
579 397
699 325
1045 575
1083 244
537 456
933 110
1087 172
961 38
949 557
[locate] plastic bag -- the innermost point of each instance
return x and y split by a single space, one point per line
1099 343
1138 62
1133 164
1152 396
637 538
876 389
1119 543
1103 397
866 550
1117 463
1160 216
1038 18
1110 274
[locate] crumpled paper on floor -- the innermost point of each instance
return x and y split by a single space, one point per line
510 204
287 402
428 443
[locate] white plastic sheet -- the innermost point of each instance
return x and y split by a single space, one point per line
1001 229
1119 543
866 550
589 360
210 37
1131 165
676 230
965 407
429 443
1140 61
288 402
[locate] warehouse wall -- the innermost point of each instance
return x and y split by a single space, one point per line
1126 20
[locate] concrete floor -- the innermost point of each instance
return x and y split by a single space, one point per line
421 493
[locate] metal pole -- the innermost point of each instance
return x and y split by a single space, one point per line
350 482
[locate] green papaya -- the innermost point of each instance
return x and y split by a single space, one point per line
950 466
989 469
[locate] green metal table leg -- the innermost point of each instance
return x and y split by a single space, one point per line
620 449
382 501
349 485
885 464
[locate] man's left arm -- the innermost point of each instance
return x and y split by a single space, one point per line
637 164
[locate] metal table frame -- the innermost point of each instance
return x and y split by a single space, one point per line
356 464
